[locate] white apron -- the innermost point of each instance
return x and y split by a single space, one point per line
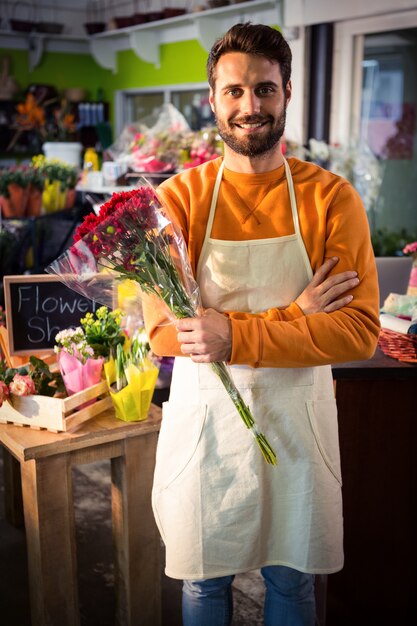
220 508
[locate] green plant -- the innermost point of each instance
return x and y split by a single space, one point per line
103 331
391 243
54 169
18 174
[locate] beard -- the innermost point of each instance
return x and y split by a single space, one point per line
252 145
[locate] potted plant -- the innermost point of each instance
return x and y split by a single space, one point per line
14 190
59 183
36 186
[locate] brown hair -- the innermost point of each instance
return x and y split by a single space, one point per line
252 39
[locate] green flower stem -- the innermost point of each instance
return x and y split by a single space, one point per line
220 369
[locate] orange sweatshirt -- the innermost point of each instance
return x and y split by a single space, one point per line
333 222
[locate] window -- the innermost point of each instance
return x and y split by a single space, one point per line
192 100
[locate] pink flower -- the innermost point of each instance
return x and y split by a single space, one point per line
4 392
22 385
410 248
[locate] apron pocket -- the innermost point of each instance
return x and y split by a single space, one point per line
246 377
323 421
180 433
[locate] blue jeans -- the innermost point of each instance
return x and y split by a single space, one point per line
289 599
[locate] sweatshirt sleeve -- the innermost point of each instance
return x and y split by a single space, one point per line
348 334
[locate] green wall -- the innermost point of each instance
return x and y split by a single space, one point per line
182 62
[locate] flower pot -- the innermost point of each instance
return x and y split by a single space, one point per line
34 203
67 151
15 204
53 197
70 198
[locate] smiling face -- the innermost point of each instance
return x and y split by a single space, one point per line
249 103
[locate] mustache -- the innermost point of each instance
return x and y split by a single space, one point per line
252 119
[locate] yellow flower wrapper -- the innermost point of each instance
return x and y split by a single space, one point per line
132 403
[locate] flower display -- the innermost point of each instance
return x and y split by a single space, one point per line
22 385
410 248
103 331
50 119
34 378
131 378
78 367
206 145
134 239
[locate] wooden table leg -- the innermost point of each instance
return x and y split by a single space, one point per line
135 535
50 534
13 502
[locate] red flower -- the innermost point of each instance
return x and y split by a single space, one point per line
4 392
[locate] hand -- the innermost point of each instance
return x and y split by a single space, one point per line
207 338
325 293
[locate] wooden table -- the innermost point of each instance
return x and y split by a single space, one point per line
377 407
45 461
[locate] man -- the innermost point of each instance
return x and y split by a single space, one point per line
257 229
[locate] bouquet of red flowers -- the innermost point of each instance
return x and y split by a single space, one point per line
132 238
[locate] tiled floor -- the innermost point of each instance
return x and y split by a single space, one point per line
94 547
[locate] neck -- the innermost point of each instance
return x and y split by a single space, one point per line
266 162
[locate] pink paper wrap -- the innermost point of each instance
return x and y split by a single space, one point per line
78 376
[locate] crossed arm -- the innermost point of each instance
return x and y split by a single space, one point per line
209 337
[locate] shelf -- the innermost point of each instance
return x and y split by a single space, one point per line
36 43
145 39
205 26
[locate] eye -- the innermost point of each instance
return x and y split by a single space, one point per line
266 90
234 92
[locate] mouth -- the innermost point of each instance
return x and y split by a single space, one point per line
250 125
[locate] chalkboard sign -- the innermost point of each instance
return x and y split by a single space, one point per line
37 308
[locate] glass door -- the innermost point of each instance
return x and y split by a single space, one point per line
387 124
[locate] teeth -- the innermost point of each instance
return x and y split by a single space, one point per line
255 125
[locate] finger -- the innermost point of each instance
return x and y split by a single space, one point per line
186 324
342 282
338 304
321 273
337 290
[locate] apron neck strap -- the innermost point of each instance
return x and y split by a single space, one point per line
215 195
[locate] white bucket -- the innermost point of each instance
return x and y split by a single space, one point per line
70 151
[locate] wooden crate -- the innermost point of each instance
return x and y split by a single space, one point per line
56 414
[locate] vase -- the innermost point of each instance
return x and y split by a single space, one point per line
15 204
412 283
67 151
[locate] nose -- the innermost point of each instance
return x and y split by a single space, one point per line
250 103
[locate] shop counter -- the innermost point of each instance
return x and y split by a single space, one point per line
377 407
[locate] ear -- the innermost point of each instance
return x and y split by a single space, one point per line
211 99
288 91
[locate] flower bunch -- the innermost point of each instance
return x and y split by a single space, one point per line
410 248
159 152
103 331
133 237
206 145
78 367
34 378
73 341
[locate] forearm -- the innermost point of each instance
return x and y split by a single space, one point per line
315 339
